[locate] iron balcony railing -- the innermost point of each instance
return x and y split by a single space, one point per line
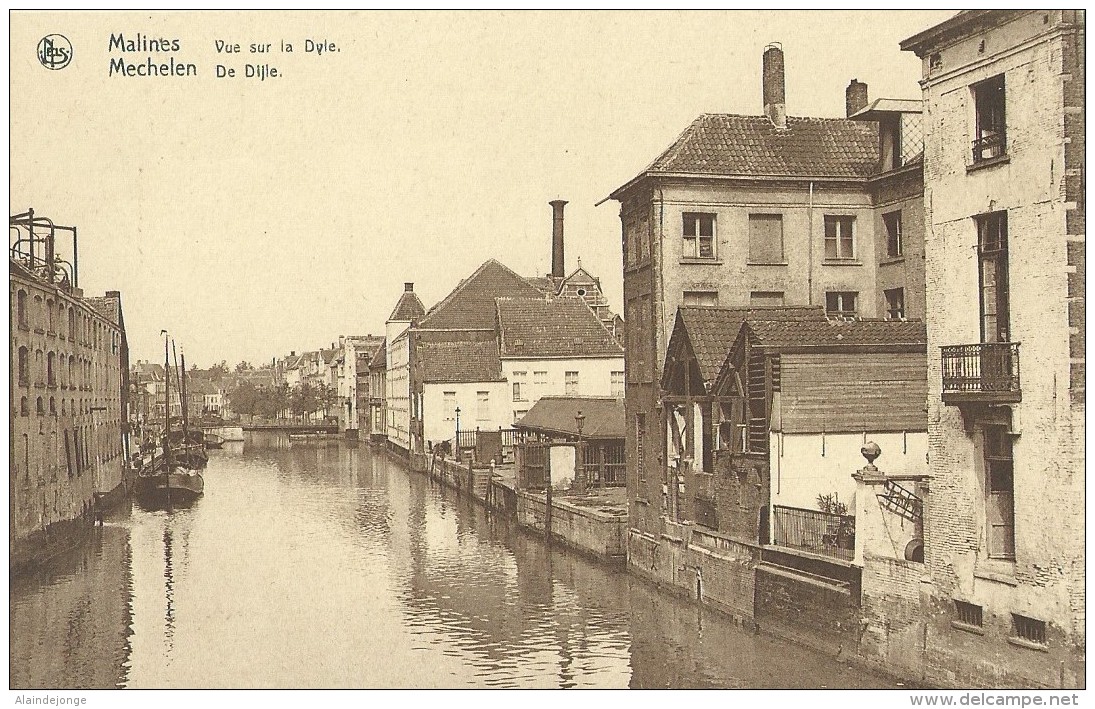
988 371
814 531
989 146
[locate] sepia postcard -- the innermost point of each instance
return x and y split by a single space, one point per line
548 349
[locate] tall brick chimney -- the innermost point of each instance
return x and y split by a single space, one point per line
408 287
557 268
773 86
855 97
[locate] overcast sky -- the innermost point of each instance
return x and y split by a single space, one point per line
251 218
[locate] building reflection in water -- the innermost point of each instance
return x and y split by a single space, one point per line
70 622
333 566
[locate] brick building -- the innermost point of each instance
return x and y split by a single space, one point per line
1004 175
69 392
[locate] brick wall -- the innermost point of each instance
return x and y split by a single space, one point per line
1036 188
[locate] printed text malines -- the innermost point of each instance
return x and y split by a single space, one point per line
150 65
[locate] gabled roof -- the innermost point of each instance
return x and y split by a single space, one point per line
773 335
604 416
458 361
544 284
553 327
730 145
293 361
580 275
711 332
471 304
409 307
151 370
110 308
380 358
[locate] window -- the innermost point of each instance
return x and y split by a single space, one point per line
71 324
840 305
935 62
518 415
24 406
1029 629
21 302
701 297
49 314
482 411
969 614
892 222
895 304
992 247
640 444
617 382
1000 515
766 238
990 129
699 236
51 373
839 237
765 297
24 367
540 378
518 383
449 405
637 241
39 407
570 383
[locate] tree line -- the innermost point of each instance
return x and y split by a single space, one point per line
271 402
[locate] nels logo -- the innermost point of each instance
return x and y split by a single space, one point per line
54 51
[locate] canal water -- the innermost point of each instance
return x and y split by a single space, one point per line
334 566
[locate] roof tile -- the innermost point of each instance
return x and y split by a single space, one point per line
553 327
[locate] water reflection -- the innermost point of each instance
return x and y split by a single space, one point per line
325 566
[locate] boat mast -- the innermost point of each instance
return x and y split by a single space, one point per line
185 403
167 405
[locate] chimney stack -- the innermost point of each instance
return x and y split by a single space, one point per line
557 268
855 97
775 95
408 287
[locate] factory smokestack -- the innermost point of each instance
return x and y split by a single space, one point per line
557 268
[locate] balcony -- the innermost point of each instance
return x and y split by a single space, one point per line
989 147
987 373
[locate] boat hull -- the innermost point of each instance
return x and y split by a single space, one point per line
178 488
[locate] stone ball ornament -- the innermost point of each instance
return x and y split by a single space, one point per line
870 451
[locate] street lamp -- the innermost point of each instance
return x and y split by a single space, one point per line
579 456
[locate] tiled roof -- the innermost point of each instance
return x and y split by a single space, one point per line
458 361
775 335
471 304
544 284
409 307
604 416
151 370
380 358
712 331
751 146
293 361
553 327
108 307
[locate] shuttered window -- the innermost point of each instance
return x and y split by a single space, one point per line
766 238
